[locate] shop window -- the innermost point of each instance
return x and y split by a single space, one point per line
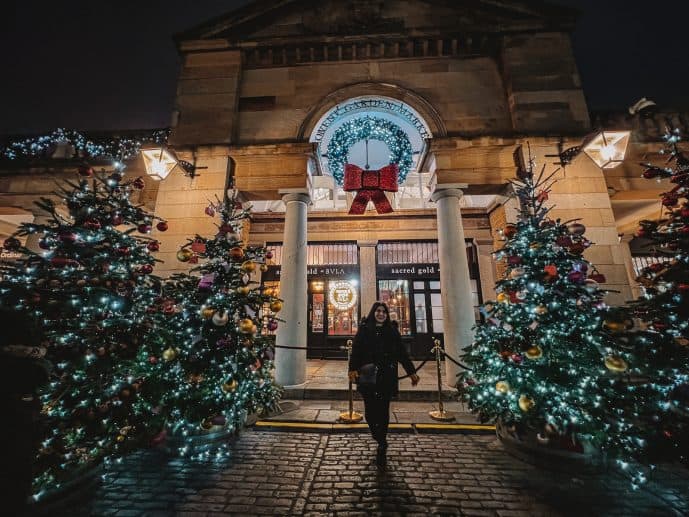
420 310
343 308
322 254
395 294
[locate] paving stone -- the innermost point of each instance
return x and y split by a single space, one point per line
292 473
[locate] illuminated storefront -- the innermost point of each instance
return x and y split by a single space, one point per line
407 280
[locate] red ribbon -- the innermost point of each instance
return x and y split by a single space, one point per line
371 186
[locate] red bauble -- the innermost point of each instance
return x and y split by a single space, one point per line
123 250
514 260
683 287
60 261
153 246
12 244
198 246
510 231
564 241
598 277
684 212
210 211
226 228
92 224
117 220
162 226
146 269
85 171
652 172
67 237
139 183
670 200
272 325
144 228
269 255
517 358
577 248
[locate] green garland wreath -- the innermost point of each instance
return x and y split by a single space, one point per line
370 128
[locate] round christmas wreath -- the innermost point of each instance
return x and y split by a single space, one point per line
369 128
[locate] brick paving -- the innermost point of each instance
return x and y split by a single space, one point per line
309 473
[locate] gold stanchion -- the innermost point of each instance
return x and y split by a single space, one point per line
351 416
440 414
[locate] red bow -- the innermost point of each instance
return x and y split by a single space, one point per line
371 186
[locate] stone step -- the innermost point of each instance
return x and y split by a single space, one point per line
342 394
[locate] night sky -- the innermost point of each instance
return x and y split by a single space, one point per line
112 64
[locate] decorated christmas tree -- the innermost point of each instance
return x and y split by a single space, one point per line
542 363
659 400
209 362
84 291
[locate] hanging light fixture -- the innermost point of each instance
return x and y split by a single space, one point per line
159 162
607 148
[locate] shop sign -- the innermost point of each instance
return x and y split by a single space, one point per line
9 256
426 271
342 295
326 271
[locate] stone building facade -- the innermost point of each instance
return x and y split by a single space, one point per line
263 93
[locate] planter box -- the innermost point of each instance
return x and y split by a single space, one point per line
70 493
526 447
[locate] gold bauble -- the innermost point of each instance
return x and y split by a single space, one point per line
120 438
170 354
243 290
184 255
236 253
503 298
246 326
614 326
541 309
526 403
682 341
263 268
205 424
229 386
502 387
270 291
615 364
535 352
276 306
249 266
207 313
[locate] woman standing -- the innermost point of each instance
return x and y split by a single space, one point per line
377 350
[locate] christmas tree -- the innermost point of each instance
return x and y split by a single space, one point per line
84 291
542 363
659 399
209 361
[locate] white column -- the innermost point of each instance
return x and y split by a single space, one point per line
455 285
486 268
367 266
290 365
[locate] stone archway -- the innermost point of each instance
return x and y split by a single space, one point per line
370 89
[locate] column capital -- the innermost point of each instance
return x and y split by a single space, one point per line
302 197
450 192
483 242
626 237
367 243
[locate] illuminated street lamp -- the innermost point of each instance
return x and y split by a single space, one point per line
159 162
607 148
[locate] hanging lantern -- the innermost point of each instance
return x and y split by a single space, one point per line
158 162
608 148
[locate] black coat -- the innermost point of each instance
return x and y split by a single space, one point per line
383 347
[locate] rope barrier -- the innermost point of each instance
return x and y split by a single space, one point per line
447 356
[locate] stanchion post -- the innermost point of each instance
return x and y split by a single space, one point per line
440 414
350 417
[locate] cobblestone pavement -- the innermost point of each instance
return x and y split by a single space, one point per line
307 473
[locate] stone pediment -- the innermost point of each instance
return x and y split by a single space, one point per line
263 20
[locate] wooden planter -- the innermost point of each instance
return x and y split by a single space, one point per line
527 447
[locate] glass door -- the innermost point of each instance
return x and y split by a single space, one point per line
317 322
428 316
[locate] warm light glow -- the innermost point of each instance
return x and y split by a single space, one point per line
342 295
608 148
158 162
